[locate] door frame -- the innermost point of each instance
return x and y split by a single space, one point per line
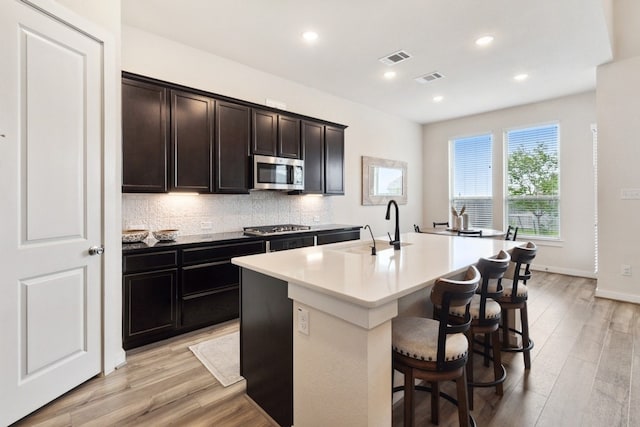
111 295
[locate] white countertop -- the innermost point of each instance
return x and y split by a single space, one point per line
349 272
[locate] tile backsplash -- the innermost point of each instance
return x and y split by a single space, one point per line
217 213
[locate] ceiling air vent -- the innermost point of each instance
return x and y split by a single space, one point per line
395 57
428 78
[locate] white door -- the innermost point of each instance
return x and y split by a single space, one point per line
50 208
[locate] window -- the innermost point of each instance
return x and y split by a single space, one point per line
532 181
471 183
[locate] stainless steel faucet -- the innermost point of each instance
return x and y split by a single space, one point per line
396 240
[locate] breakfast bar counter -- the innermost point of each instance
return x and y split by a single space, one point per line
338 301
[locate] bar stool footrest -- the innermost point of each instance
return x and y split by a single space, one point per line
493 383
445 396
517 349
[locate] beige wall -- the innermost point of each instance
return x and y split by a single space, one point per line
618 95
370 132
574 253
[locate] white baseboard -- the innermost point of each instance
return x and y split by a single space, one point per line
567 271
619 296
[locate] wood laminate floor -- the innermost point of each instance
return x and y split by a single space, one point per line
585 371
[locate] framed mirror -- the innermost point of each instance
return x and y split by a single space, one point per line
383 180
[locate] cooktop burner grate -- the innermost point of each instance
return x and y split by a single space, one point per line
274 229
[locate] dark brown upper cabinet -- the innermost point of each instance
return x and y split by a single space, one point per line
233 124
176 138
334 160
313 154
275 134
288 137
145 137
191 142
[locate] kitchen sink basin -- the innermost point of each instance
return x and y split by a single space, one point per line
365 248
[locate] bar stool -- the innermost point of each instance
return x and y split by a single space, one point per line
485 320
435 351
515 297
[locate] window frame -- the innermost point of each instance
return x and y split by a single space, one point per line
451 166
505 172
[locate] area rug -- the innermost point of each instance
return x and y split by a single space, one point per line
221 356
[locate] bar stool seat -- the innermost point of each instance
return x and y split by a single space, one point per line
492 309
417 337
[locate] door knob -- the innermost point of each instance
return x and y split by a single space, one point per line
96 250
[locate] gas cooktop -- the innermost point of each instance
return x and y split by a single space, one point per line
268 230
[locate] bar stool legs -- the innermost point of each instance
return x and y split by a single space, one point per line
527 342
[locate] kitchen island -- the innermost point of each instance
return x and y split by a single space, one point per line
328 310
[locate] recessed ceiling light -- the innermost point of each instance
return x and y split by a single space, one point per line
389 75
484 40
310 36
521 77
438 98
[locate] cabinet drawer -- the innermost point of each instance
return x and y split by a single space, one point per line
220 252
149 261
338 236
208 277
211 308
283 244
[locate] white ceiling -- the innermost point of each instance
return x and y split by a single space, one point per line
558 43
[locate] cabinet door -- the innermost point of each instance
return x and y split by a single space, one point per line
265 133
313 155
232 148
334 160
145 137
150 305
191 142
288 137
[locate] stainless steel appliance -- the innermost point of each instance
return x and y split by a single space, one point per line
277 173
282 237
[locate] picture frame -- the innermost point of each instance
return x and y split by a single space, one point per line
383 180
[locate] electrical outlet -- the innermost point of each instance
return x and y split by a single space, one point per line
316 219
206 225
630 193
626 270
303 320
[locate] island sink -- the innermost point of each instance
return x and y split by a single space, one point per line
365 248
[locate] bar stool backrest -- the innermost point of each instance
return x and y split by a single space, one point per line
521 258
453 292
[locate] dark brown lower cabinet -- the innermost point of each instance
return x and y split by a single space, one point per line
169 292
326 237
266 344
150 311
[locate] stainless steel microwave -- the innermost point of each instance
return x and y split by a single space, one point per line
277 173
